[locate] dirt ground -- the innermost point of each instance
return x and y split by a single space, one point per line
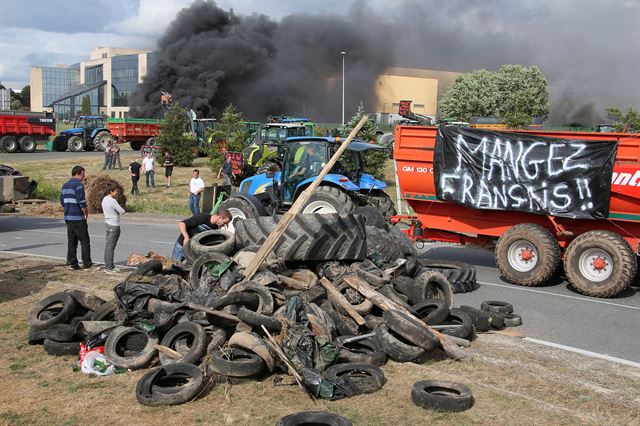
513 381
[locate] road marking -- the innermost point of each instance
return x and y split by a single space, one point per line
584 352
584 299
161 242
54 232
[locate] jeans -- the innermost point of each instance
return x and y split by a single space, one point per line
134 185
178 252
77 230
194 203
108 159
113 233
116 158
226 179
147 174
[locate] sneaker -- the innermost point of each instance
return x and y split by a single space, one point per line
74 267
114 270
89 266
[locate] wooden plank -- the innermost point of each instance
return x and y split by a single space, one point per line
277 232
337 297
450 348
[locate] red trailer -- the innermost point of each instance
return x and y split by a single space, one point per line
137 131
21 130
600 256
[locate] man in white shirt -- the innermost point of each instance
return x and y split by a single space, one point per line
112 212
147 168
196 186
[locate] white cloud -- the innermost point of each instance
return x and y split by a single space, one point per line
152 18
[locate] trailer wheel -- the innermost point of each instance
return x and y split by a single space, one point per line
75 144
60 144
600 264
326 200
27 144
151 141
240 209
382 201
527 254
136 145
102 140
8 143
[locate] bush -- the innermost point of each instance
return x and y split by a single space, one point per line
173 138
232 131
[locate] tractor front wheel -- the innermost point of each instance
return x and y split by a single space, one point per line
102 140
382 201
75 144
328 199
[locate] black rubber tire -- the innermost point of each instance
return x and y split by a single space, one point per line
481 319
622 256
496 321
410 288
265 306
136 145
310 418
216 240
496 306
86 300
458 316
408 328
60 144
395 348
309 236
109 311
372 217
216 338
195 340
75 144
170 385
389 292
257 320
141 353
544 243
344 326
361 352
367 378
233 300
436 286
188 254
61 348
460 275
27 144
383 202
150 267
68 310
431 311
57 333
240 210
381 243
442 396
404 242
511 320
199 265
363 308
9 144
101 140
372 322
316 294
240 363
336 198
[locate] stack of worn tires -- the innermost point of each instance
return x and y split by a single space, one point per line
201 322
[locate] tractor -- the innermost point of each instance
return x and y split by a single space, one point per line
89 132
304 157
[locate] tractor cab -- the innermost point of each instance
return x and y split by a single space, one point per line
87 124
303 159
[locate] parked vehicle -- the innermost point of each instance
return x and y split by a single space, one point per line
20 131
600 255
89 132
136 131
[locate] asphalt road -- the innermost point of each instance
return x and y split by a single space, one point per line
553 314
41 154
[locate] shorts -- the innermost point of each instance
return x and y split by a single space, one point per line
168 171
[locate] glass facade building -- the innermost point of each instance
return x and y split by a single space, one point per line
124 78
58 81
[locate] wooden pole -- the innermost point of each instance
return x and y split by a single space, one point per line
277 232
335 296
451 349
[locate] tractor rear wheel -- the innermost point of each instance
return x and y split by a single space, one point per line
102 140
60 144
382 201
8 143
240 209
151 141
600 264
328 199
527 254
75 144
27 144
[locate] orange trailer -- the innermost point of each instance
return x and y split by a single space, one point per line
600 256
137 131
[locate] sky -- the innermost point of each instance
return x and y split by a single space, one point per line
588 49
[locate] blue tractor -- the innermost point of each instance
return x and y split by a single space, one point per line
89 132
304 157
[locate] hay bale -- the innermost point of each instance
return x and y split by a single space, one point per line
48 209
96 190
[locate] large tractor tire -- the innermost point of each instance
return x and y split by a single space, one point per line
309 236
327 200
382 202
136 145
27 143
102 140
241 209
8 143
60 144
600 264
527 254
383 244
75 144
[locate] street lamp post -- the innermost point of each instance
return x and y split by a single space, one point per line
343 55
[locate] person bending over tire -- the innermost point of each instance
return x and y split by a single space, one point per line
195 224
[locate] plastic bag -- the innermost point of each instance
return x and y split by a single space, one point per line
96 363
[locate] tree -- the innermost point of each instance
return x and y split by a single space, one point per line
173 138
232 131
627 122
375 160
25 96
15 104
515 93
86 105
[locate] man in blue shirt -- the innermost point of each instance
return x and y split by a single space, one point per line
76 213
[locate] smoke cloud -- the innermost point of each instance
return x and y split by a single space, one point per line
210 57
